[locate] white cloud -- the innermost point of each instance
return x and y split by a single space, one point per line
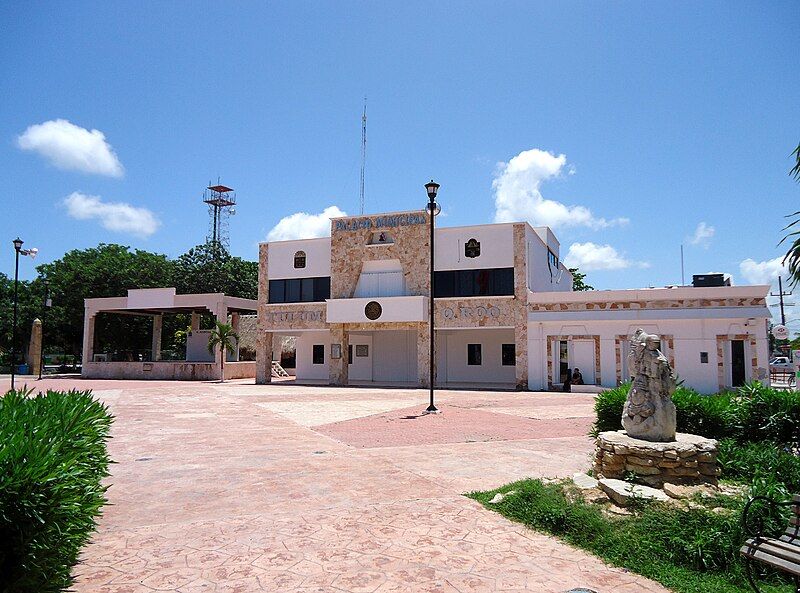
517 194
72 147
762 272
114 216
702 235
591 257
302 225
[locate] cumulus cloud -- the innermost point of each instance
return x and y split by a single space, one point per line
591 257
114 216
517 194
762 272
702 235
72 147
302 225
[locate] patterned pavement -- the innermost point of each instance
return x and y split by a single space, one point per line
240 488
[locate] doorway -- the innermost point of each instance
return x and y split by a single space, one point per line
737 363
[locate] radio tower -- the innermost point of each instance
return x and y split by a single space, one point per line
221 205
363 154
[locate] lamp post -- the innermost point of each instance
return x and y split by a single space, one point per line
18 251
47 304
433 209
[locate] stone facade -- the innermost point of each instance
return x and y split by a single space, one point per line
690 459
643 304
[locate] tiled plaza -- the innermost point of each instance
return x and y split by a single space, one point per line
238 487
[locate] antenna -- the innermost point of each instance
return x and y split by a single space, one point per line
221 201
363 155
683 281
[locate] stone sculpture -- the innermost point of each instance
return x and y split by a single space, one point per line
649 413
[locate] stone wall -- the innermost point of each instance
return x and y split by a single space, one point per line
690 459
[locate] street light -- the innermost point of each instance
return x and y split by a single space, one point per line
32 254
433 209
48 302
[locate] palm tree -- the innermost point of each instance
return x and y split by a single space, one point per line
792 258
223 336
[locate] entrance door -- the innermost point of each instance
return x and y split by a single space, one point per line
737 363
583 359
359 358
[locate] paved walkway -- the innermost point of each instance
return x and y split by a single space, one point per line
244 488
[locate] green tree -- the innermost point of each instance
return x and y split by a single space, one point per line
210 268
222 336
792 258
104 271
579 280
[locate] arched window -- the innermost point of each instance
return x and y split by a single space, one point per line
472 248
300 259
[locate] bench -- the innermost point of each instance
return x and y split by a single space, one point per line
781 553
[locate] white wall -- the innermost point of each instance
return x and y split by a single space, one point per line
360 367
540 278
451 348
281 258
691 337
304 345
497 247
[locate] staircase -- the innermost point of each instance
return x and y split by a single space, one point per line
278 370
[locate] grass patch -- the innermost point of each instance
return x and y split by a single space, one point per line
687 550
52 461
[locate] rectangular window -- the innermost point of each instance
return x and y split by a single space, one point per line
470 283
474 354
552 261
509 355
349 354
300 290
704 358
318 354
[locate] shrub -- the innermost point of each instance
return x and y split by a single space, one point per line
772 470
751 413
52 460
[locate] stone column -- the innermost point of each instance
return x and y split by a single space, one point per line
424 354
35 348
88 336
520 308
337 367
195 321
155 348
263 357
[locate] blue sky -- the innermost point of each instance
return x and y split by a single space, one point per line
668 116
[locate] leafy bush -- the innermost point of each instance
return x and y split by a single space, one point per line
52 460
773 471
687 550
751 413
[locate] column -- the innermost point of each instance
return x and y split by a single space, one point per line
195 321
337 367
263 357
424 354
88 336
521 348
155 347
222 317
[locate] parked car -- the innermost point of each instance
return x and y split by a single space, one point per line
781 363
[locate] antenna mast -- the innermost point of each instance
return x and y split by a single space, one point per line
221 201
363 155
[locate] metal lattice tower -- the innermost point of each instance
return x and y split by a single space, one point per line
221 202
363 155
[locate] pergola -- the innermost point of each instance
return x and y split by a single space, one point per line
155 302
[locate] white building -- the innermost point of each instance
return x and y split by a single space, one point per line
505 312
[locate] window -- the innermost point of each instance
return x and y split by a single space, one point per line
318 354
474 354
704 358
349 354
472 248
300 259
509 356
468 283
300 290
552 261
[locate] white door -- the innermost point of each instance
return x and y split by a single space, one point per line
360 358
583 358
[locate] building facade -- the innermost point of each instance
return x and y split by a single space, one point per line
505 313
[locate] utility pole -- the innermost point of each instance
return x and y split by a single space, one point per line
780 295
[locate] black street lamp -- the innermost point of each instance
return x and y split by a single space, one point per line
18 251
433 209
48 302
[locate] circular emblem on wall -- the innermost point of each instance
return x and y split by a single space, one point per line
373 310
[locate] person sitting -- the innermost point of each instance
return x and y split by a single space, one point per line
577 377
567 386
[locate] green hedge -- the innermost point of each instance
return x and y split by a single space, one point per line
750 414
52 460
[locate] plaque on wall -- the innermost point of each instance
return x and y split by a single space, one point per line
362 350
373 310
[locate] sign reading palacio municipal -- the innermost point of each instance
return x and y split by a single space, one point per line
379 222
